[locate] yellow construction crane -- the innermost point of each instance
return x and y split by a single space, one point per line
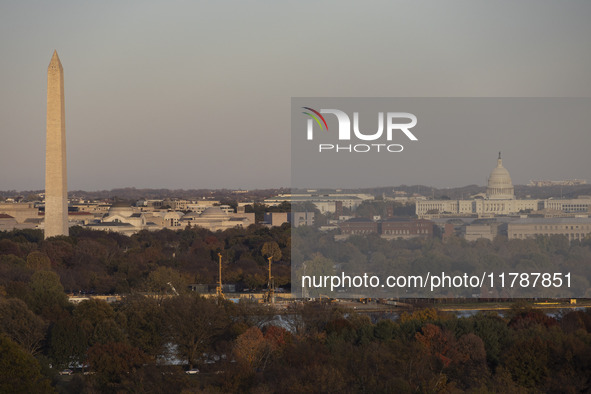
270 296
218 289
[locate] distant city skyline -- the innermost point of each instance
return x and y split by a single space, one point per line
197 95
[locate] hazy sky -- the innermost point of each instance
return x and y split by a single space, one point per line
457 139
196 94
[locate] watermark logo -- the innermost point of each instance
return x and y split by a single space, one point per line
314 115
395 122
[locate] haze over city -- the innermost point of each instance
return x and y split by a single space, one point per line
226 217
197 95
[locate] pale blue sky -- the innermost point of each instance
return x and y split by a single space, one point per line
196 94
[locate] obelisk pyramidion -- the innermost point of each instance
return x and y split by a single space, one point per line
56 189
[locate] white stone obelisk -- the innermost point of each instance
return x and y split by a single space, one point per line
56 187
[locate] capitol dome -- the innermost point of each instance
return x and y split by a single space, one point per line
500 186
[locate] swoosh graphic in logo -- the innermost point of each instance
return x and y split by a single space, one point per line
316 118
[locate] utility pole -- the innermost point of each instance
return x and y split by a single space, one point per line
218 289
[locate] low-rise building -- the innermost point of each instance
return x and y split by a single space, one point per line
573 228
124 219
483 228
358 226
301 219
404 228
324 202
214 219
118 227
94 208
20 211
275 219
80 218
393 228
7 222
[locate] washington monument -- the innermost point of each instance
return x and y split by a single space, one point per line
56 188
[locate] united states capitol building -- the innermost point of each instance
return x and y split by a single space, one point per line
500 201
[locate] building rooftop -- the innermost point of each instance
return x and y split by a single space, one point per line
359 220
552 220
109 224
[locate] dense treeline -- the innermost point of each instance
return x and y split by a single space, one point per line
105 263
133 346
526 351
317 253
